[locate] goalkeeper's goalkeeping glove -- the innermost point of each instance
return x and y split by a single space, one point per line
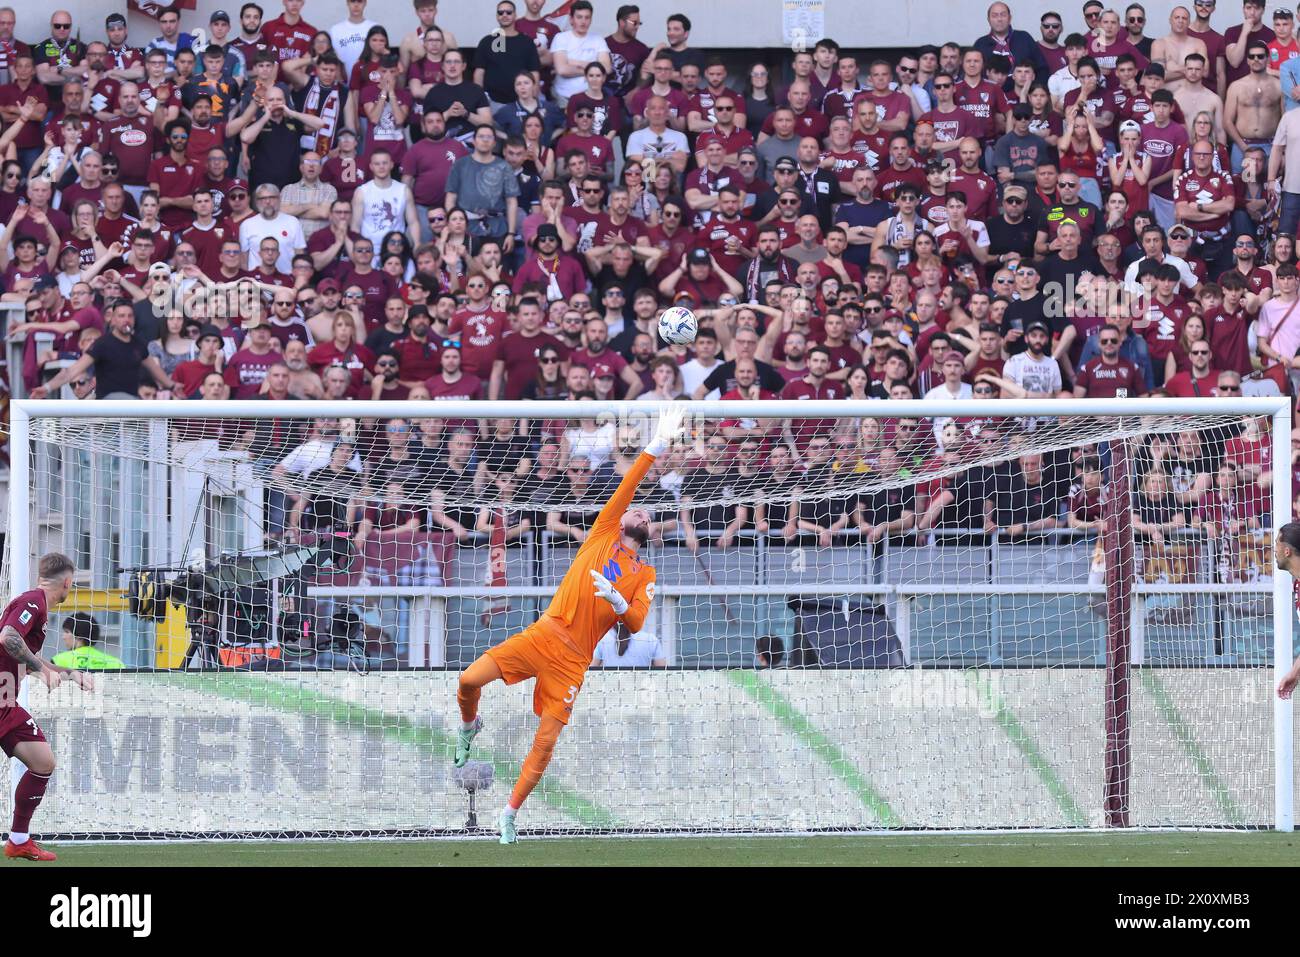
605 590
671 427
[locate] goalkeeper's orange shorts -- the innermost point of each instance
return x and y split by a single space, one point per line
537 653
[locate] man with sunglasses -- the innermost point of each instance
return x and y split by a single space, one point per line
951 123
1012 232
60 53
1245 255
1104 375
1255 104
1205 199
583 137
502 55
1050 26
1200 380
725 130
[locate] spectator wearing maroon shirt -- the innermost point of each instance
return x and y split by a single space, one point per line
1204 199
417 354
726 130
1227 325
1108 375
267 272
205 234
452 382
376 285
597 354
701 279
798 432
518 361
345 170
343 350
583 137
13 96
129 137
427 164
1200 380
289 35
174 178
808 121
479 328
558 273
246 369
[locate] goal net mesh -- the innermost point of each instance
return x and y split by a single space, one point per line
860 622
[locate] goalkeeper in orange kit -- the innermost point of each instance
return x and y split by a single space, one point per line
606 583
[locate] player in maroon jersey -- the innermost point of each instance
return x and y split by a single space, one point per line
22 632
1286 552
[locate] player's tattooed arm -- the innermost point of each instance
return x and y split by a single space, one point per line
17 649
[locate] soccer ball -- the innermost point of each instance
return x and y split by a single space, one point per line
678 326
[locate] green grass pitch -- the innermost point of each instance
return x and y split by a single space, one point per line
1201 849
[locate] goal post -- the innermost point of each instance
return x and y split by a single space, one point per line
964 614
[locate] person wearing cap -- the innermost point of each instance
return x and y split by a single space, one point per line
557 272
233 65
247 368
1016 153
1032 373
188 376
1012 232
699 277
582 136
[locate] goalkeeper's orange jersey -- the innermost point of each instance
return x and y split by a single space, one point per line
576 611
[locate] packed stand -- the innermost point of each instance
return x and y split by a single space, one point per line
258 208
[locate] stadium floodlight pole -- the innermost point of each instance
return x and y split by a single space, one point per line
1283 618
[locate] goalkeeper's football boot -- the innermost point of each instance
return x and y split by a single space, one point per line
506 824
464 738
29 850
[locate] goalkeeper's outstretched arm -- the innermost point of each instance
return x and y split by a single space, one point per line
671 427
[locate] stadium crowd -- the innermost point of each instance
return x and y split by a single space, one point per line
258 208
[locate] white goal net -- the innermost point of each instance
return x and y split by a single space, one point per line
868 615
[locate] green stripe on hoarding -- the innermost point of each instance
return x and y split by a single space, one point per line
798 725
1011 726
294 700
1184 735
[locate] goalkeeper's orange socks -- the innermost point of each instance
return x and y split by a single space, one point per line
467 698
539 756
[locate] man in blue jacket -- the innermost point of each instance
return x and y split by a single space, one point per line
1016 45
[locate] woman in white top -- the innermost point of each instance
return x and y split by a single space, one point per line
618 649
589 439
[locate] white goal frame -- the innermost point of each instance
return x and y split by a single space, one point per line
23 412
